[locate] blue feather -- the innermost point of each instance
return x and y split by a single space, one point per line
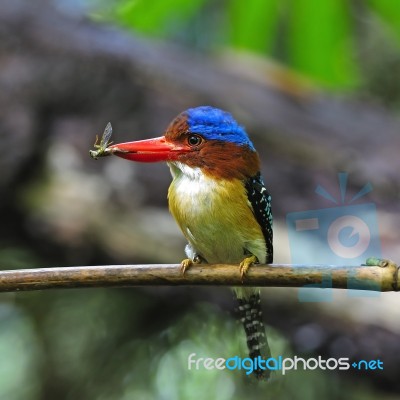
215 124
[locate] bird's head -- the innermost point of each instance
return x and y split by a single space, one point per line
204 138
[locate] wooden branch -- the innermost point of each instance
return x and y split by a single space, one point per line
383 277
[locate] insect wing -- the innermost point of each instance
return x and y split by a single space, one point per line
106 136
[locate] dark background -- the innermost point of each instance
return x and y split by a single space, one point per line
317 88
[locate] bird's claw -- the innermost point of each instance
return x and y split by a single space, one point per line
245 265
187 263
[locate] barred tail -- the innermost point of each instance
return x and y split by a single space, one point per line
250 314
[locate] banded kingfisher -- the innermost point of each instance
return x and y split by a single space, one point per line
218 199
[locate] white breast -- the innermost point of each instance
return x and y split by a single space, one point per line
215 217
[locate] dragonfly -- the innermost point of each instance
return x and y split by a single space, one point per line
102 148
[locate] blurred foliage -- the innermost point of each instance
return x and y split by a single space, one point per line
320 41
388 11
316 38
75 344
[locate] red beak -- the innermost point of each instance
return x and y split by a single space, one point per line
149 150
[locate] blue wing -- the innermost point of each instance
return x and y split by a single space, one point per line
260 200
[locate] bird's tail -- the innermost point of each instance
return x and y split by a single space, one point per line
250 314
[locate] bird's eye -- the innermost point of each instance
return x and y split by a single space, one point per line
194 140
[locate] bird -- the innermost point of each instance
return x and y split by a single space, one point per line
219 201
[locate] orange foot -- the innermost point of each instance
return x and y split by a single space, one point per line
187 263
246 264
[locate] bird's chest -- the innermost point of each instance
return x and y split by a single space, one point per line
214 217
195 203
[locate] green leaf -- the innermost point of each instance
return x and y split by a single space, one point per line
389 12
155 17
319 42
253 24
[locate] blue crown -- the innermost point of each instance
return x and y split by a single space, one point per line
215 124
